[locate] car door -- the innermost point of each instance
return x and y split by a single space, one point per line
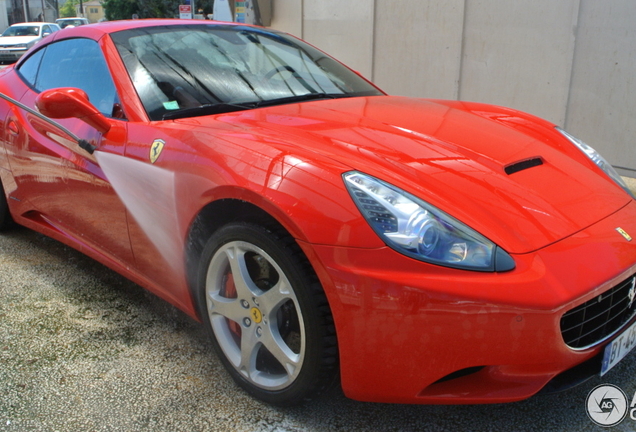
37 168
83 204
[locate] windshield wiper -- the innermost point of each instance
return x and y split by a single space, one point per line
222 107
207 109
301 98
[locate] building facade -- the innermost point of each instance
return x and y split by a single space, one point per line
93 11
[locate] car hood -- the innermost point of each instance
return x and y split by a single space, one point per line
16 40
454 155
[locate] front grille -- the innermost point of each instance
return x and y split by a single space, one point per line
11 55
599 318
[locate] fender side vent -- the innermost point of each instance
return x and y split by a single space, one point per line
523 165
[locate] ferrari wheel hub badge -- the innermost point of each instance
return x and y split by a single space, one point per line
256 315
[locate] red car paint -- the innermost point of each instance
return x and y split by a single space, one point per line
402 324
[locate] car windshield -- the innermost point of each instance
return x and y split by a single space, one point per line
69 22
190 70
22 31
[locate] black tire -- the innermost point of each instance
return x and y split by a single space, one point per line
6 221
267 314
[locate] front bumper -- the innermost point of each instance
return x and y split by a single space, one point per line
410 332
11 54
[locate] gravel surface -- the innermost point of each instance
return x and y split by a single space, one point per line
83 349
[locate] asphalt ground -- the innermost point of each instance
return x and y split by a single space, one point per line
83 349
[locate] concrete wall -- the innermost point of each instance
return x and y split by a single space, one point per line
520 56
602 99
572 62
424 56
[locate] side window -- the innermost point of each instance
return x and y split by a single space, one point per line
29 68
78 63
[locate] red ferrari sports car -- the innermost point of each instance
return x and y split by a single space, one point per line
419 251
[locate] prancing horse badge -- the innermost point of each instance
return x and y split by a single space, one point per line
155 149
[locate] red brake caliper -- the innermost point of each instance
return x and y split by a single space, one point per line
230 292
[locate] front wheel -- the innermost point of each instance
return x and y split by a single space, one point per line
267 314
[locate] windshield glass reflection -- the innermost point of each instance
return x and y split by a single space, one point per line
182 68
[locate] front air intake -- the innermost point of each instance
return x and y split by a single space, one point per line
598 319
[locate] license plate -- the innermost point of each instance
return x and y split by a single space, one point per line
618 349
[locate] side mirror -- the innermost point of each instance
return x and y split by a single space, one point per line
67 102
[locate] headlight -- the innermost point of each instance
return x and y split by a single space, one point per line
598 160
421 231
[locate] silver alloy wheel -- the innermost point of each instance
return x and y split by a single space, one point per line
255 315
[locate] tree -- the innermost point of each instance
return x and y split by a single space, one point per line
68 8
120 9
158 8
206 6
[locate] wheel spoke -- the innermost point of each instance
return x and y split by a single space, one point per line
245 287
270 300
275 344
249 349
229 308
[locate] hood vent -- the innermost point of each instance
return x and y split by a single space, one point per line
523 165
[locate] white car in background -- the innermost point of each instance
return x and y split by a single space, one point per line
18 38
71 22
